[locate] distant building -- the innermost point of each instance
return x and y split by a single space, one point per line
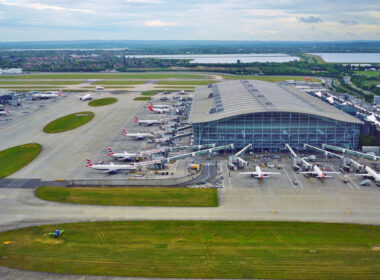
268 116
10 71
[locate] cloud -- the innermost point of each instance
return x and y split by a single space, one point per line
143 1
349 22
158 23
39 6
310 19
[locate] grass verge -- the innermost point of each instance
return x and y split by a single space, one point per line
272 79
40 82
118 83
69 122
195 83
102 101
142 98
199 249
15 158
146 196
106 76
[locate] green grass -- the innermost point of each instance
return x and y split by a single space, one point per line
69 122
175 87
368 73
102 101
314 58
195 83
272 79
150 92
15 158
142 98
106 76
118 83
146 196
199 249
40 82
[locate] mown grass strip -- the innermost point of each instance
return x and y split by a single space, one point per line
107 76
118 83
146 196
103 101
195 83
142 98
272 79
40 82
69 122
199 249
15 158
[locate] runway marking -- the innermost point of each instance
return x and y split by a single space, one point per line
341 176
348 212
1 196
324 184
273 212
261 183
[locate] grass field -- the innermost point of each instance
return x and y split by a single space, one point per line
106 76
69 122
176 87
314 58
102 101
272 79
368 73
40 82
105 83
142 98
150 92
195 83
15 158
147 196
199 249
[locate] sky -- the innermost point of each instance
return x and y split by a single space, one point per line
264 20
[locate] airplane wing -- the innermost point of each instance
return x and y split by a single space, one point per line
363 174
271 173
308 172
330 172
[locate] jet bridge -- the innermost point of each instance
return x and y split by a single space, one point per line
235 162
350 152
344 160
201 152
298 162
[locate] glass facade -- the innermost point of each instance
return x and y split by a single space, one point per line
270 131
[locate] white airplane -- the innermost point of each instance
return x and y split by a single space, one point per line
159 106
5 112
110 168
158 111
99 88
148 122
122 156
317 172
330 100
259 174
137 135
47 94
370 173
85 98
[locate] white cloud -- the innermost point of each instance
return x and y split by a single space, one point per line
39 6
143 1
159 23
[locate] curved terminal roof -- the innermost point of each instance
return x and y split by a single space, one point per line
232 98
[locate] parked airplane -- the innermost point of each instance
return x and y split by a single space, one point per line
122 156
137 135
47 94
148 122
110 168
159 106
370 173
158 111
5 112
259 174
99 88
86 97
317 172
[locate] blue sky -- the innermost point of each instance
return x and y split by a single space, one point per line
296 20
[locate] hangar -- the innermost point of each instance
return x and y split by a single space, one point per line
268 115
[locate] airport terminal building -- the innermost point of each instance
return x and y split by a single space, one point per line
268 116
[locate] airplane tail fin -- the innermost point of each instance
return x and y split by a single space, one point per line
124 132
89 163
110 152
136 119
7 111
150 108
60 92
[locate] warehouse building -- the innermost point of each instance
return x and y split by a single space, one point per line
268 115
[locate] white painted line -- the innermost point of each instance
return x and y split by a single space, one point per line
291 182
